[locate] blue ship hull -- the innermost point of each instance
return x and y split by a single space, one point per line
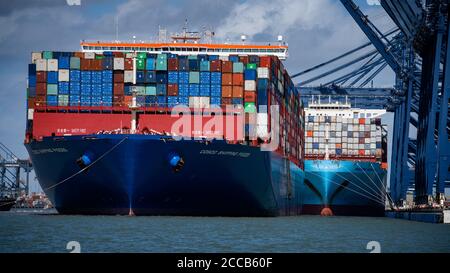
134 172
343 188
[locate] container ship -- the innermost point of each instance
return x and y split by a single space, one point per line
182 127
345 160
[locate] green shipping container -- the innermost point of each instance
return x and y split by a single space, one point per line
192 57
251 66
204 66
162 56
74 63
194 77
140 64
47 55
63 100
249 107
150 90
238 68
99 57
52 89
142 55
161 65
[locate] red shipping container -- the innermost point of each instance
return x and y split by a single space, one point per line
118 89
79 55
227 91
227 67
97 65
244 59
172 89
216 66
41 100
85 64
361 152
264 61
227 79
41 89
172 64
238 79
250 96
118 55
362 121
227 101
41 76
118 77
238 92
31 103
128 64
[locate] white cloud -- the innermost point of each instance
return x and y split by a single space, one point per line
373 2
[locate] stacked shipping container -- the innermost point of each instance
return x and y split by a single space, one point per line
92 80
345 137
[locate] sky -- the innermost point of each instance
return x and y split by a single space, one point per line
315 30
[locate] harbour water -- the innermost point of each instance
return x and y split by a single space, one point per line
46 231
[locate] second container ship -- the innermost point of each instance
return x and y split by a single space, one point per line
167 128
345 165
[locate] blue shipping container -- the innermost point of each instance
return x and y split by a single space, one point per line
32 81
96 77
250 74
96 90
161 77
63 88
216 78
205 77
52 100
31 69
173 77
74 100
183 90
205 90
194 90
161 100
161 89
52 77
75 88
216 90
63 62
150 77
85 89
107 76
183 77
86 76
140 77
74 75
183 100
237 101
216 101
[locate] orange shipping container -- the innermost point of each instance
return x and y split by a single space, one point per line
79 55
238 92
227 67
249 96
215 66
362 121
128 99
309 133
227 79
227 92
238 79
264 61
85 64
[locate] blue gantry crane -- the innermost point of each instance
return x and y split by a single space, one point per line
416 50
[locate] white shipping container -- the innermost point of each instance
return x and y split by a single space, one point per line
373 127
373 146
355 140
250 85
339 119
261 131
344 151
338 134
223 58
128 76
367 128
52 65
339 127
130 55
355 121
63 75
35 56
332 146
309 145
367 121
367 140
41 65
263 72
262 118
309 140
344 145
194 102
350 127
315 133
89 55
321 145
205 102
30 114
315 139
119 63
